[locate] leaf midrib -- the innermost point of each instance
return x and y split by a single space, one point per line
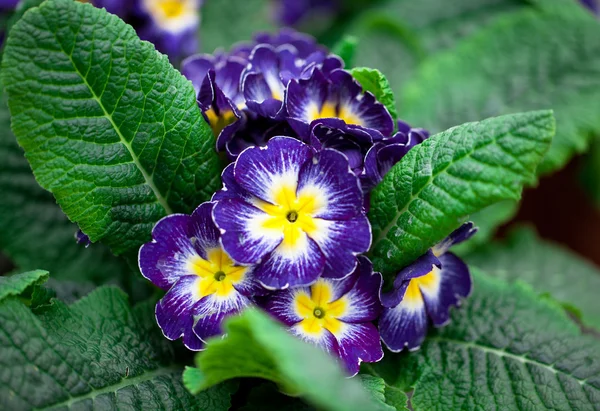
124 383
147 178
505 354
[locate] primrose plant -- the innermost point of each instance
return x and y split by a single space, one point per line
293 221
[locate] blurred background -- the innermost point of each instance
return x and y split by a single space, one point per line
447 62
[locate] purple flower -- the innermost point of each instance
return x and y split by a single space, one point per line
217 83
335 315
338 101
171 25
82 239
424 292
295 214
304 44
382 156
592 5
203 284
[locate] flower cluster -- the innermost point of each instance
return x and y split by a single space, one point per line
288 230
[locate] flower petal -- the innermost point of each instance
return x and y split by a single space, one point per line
363 301
231 189
262 170
195 68
202 231
304 98
462 233
281 305
341 242
291 266
164 260
422 266
454 283
330 177
213 309
243 234
404 325
175 312
325 340
357 343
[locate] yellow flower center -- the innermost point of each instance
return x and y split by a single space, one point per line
318 311
330 109
219 122
292 213
218 273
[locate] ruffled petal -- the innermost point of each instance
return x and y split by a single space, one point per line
164 260
175 312
404 325
452 284
243 234
358 343
263 170
330 177
291 266
195 68
340 242
304 100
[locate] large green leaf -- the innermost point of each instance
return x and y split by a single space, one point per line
94 354
107 124
547 267
505 349
226 22
35 232
15 284
435 187
524 61
256 346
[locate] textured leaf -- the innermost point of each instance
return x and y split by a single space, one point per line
225 22
435 187
107 124
505 349
256 346
372 80
547 267
391 398
94 354
35 232
15 284
525 61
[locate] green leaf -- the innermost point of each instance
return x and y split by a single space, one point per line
107 124
346 48
524 61
16 284
547 268
94 354
257 346
435 187
372 80
226 22
35 232
388 396
505 349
